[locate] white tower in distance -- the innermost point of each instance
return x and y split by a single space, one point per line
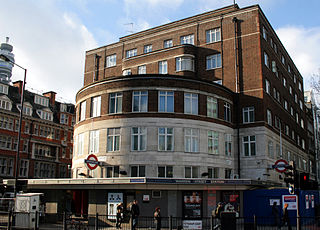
6 67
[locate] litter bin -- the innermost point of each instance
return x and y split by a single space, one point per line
228 220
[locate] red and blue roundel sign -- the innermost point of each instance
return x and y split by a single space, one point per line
279 166
91 162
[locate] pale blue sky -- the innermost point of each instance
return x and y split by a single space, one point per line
50 37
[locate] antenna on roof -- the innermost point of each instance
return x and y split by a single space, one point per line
234 2
127 24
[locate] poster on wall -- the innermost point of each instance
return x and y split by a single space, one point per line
192 205
307 201
312 201
291 200
231 201
113 200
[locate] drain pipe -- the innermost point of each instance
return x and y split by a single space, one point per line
235 21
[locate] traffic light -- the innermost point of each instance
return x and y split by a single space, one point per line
304 181
290 176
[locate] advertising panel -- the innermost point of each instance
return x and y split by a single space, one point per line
192 205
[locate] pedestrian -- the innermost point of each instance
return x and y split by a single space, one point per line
119 215
217 214
286 219
276 216
157 218
135 214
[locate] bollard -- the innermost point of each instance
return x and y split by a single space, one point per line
36 220
254 222
211 222
96 222
9 220
131 223
64 221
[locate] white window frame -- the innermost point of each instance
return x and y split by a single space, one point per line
167 134
168 171
115 102
147 48
250 142
111 60
24 168
187 39
163 67
212 107
191 103
94 141
126 72
184 63
228 144
142 69
213 35
141 136
213 142
83 106
139 168
194 171
96 106
248 115
266 59
191 140
227 112
140 101
131 53
213 61
113 139
4 89
264 33
164 98
267 86
167 43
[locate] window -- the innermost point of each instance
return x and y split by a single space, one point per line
248 114
294 78
302 123
295 98
166 101
227 112
147 49
5 103
45 114
264 33
303 144
163 69
249 145
5 142
64 118
4 89
300 86
270 149
287 132
191 103
167 43
228 144
27 127
137 171
131 53
213 172
138 139
289 69
290 90
80 144
274 68
111 60
184 63
165 171
277 122
191 172
275 47
291 111
126 72
292 135
227 173
165 139
212 107
187 39
94 141
6 166
283 60
115 102
6 122
213 142
142 69
83 110
297 118
191 140
266 59
140 101
112 171
24 168
301 104
267 86
95 106
63 108
284 81
286 105
113 138
213 35
213 61
41 100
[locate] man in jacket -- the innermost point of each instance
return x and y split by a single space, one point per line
135 214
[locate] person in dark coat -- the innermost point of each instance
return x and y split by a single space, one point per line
135 212
286 219
119 215
276 216
157 218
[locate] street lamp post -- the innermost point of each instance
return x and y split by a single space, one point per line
5 58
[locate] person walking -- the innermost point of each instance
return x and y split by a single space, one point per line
286 219
217 214
157 218
119 215
135 212
276 216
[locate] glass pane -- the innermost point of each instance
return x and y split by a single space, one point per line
195 172
187 172
136 104
134 171
169 172
117 143
161 143
161 171
170 104
119 105
110 139
142 171
162 101
143 142
169 143
144 103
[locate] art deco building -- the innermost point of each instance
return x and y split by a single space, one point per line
214 95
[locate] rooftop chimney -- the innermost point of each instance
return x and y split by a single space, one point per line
52 97
19 85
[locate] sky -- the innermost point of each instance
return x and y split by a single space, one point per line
50 37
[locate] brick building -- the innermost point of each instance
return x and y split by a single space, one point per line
46 138
200 107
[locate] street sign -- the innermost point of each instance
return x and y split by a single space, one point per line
279 166
92 162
